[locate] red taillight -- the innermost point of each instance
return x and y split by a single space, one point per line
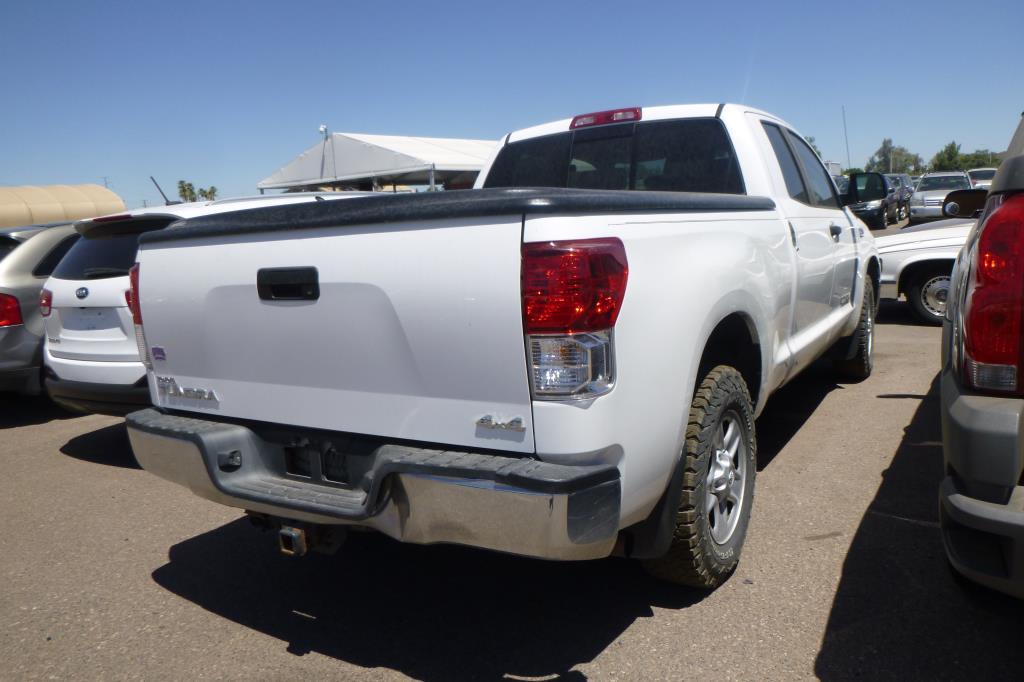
45 302
573 286
603 117
10 311
994 308
132 295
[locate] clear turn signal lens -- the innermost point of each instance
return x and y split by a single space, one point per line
572 366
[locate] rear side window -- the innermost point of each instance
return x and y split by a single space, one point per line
49 263
787 162
688 155
7 245
107 251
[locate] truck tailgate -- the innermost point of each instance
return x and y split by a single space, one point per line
416 332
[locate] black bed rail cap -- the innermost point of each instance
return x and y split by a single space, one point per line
404 208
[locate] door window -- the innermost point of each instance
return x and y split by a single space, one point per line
818 181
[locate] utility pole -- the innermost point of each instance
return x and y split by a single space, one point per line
105 181
847 138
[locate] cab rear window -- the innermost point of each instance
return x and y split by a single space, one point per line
105 252
687 155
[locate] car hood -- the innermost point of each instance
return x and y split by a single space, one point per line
956 228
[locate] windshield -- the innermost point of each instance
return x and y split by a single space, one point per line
689 155
982 174
943 182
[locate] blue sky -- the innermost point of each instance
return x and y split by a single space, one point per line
224 93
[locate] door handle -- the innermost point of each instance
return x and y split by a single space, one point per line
836 231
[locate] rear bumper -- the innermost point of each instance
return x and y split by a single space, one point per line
981 501
423 496
113 399
926 212
20 380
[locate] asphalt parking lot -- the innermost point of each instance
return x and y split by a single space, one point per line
108 572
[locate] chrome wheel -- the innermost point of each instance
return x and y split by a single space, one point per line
934 294
869 325
727 476
903 213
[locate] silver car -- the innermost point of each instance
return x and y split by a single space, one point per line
931 191
27 257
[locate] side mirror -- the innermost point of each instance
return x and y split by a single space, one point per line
865 187
964 203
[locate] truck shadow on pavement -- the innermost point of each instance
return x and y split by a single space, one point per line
898 611
897 313
20 410
443 612
108 445
432 613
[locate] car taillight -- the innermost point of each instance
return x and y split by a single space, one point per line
134 305
10 311
572 293
45 302
994 309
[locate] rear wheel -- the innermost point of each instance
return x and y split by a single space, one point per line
928 294
860 365
718 484
883 219
903 213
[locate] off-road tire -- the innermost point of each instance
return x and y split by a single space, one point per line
915 295
860 365
694 558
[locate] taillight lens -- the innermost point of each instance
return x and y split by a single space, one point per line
994 307
45 302
572 293
573 286
132 295
134 305
10 311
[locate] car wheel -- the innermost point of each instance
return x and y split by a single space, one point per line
720 454
928 294
883 219
859 366
903 213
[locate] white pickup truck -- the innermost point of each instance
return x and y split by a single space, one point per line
553 364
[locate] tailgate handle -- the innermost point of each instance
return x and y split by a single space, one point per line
288 284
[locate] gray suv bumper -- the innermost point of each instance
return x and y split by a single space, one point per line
981 501
416 495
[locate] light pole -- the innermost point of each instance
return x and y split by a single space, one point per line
323 149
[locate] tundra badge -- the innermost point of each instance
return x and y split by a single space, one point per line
167 386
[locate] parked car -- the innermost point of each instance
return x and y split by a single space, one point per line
842 183
904 190
982 391
876 213
526 367
914 179
931 191
916 263
27 257
981 177
90 355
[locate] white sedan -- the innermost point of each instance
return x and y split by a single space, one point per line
916 263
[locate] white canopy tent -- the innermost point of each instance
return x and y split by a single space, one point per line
354 160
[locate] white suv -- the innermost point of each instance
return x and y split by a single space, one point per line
90 355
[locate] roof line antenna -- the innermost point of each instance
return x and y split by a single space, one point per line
167 202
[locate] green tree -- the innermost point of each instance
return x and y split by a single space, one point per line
890 158
208 194
851 171
947 159
979 158
186 191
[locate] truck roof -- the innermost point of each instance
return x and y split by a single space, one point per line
670 111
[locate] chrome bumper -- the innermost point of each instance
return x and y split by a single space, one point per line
507 504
